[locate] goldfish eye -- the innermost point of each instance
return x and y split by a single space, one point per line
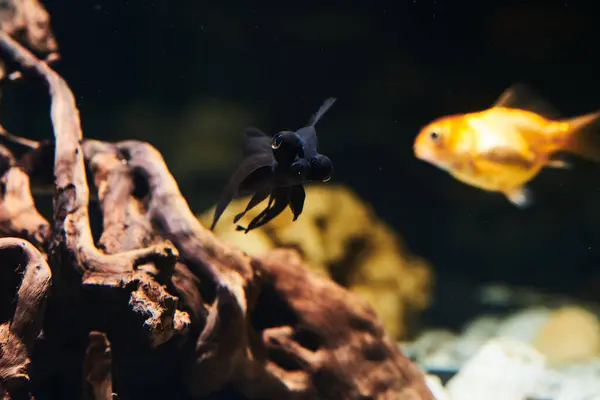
276 143
434 135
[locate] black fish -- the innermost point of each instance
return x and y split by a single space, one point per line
260 174
289 145
277 167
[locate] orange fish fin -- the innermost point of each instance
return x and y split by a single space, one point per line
559 164
509 156
521 196
523 97
584 136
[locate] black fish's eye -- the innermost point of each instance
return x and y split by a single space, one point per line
321 168
276 143
327 171
434 135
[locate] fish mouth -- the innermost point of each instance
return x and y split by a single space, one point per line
430 157
423 154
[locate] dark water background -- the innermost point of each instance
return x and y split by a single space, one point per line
188 75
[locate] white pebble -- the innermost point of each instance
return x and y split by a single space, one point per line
502 369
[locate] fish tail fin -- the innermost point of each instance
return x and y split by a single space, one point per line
319 114
583 137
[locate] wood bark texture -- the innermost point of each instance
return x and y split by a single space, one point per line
156 306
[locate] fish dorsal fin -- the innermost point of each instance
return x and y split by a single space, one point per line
319 114
522 96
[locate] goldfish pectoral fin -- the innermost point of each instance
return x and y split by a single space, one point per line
521 197
508 156
522 96
584 136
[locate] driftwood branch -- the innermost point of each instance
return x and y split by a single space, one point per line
21 324
28 22
18 214
72 236
97 368
182 314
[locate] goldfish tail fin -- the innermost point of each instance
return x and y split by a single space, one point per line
584 136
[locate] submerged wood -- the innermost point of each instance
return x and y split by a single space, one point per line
159 307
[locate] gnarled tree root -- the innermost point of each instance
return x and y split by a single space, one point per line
186 315
21 262
18 214
97 368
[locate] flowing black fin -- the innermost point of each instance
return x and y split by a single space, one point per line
246 167
319 114
258 217
256 199
309 134
297 196
255 141
523 97
277 203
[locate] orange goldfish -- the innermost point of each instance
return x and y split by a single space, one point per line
502 148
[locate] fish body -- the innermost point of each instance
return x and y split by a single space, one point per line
502 148
276 168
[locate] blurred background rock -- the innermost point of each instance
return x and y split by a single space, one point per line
189 75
